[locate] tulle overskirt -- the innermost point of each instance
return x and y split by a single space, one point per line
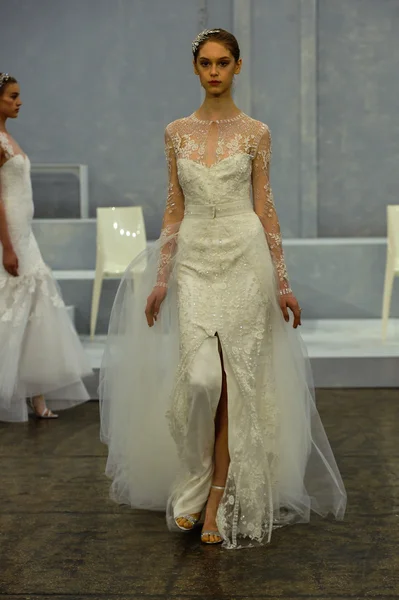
40 352
281 463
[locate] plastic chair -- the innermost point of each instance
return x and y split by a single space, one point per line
392 264
121 236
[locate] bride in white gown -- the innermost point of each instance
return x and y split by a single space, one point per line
41 357
242 449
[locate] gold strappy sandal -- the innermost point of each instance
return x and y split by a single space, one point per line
214 533
45 414
191 519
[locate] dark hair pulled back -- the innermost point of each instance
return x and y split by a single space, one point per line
221 36
5 80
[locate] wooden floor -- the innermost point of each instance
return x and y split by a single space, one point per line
61 538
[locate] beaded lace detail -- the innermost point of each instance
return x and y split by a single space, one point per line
209 144
6 146
10 147
221 256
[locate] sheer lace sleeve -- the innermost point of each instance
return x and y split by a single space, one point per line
173 215
266 211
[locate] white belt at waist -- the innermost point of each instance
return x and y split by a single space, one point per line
212 211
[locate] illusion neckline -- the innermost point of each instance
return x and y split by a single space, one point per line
231 120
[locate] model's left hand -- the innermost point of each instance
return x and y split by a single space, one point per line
288 301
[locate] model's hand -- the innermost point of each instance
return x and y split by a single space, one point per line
288 301
10 262
154 302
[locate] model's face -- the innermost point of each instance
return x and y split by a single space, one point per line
216 67
10 101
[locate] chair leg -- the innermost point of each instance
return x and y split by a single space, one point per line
95 301
386 303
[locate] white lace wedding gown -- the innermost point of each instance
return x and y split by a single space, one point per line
220 256
40 352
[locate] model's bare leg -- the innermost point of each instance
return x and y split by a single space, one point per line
40 408
221 462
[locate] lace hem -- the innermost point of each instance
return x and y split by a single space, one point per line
17 292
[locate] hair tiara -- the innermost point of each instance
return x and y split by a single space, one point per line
4 78
201 37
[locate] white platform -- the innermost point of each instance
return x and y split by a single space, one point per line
344 353
350 338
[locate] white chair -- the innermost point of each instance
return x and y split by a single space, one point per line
121 237
392 264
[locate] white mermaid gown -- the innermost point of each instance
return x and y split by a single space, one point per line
220 256
40 352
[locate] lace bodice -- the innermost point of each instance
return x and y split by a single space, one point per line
218 162
15 186
9 147
16 196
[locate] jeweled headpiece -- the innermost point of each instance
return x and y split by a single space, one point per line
4 78
201 37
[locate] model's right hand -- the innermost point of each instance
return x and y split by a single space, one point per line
154 302
10 262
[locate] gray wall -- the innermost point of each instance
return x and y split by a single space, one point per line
358 116
102 78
